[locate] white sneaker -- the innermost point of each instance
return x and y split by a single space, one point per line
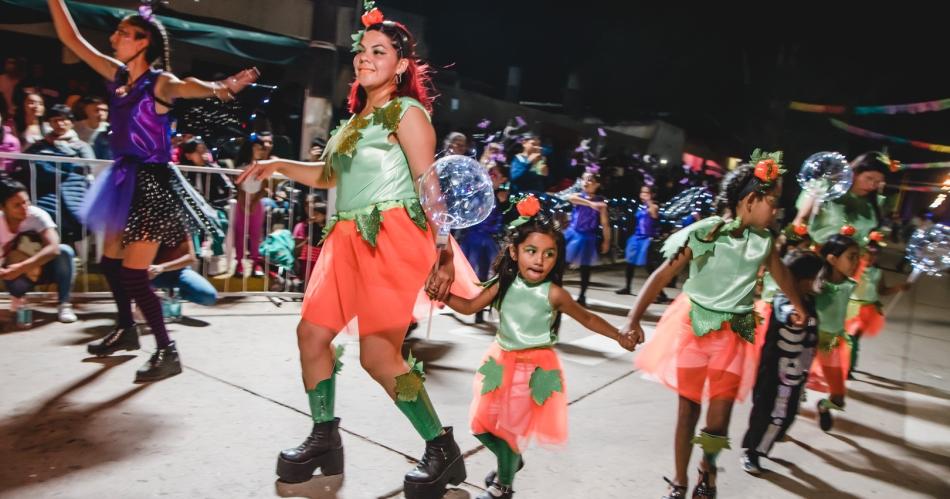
66 313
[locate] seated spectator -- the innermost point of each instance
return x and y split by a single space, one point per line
92 115
307 236
8 140
31 249
173 270
29 119
61 140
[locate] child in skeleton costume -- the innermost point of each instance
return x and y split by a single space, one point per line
703 345
378 253
830 367
519 391
865 317
786 356
141 202
588 217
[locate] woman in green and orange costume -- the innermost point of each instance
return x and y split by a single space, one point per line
378 254
855 215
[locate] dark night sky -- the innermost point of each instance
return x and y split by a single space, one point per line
724 76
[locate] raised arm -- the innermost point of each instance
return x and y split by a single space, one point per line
68 34
301 171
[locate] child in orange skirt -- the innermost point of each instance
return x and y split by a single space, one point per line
830 367
703 346
865 317
519 389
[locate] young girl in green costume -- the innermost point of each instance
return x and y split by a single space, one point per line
830 367
519 389
703 345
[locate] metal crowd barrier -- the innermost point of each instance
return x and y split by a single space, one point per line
91 244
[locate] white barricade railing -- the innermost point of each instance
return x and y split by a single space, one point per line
286 209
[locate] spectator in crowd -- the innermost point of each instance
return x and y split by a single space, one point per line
249 215
455 143
173 269
92 115
307 235
529 169
216 188
493 153
8 140
61 140
31 249
13 68
29 119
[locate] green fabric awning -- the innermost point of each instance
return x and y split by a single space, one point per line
251 45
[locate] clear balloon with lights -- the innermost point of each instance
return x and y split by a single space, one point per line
929 254
825 176
456 192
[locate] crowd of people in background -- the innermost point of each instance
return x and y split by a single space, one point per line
277 227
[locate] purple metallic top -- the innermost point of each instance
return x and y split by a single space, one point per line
646 225
139 133
585 218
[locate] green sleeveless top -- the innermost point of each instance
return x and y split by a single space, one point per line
526 317
832 306
866 290
846 210
372 173
722 273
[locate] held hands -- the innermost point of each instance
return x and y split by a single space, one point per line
259 170
12 272
440 282
798 317
631 335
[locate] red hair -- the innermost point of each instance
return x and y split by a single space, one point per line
415 82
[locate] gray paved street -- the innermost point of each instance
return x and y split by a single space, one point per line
76 427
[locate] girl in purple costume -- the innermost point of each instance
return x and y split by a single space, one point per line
638 245
140 202
590 213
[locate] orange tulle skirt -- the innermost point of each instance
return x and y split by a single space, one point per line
365 290
829 370
869 320
508 412
717 365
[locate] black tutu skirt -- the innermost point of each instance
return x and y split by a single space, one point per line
166 209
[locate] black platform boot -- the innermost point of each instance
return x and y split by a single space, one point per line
163 363
441 464
126 338
497 491
322 449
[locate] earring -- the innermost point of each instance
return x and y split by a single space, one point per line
398 78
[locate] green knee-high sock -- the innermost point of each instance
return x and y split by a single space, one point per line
508 460
323 396
712 445
413 401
